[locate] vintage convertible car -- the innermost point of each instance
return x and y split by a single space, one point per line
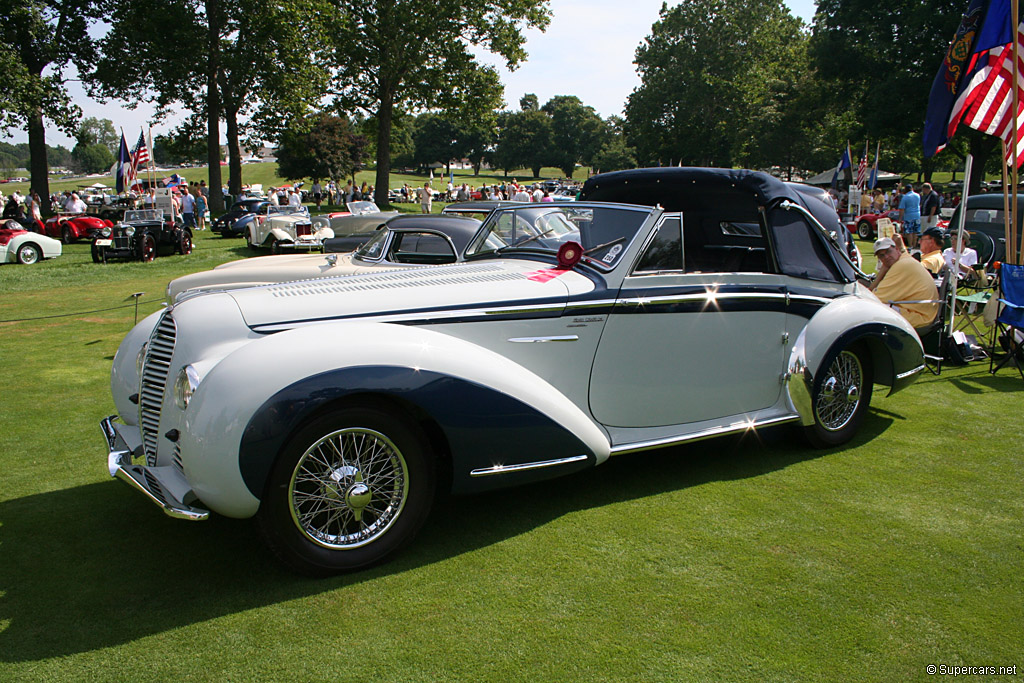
573 333
18 245
140 236
227 224
74 226
404 241
354 227
285 228
865 226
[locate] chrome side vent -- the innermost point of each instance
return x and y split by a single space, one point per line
155 368
177 459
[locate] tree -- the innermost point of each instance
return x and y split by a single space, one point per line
436 141
529 102
95 158
409 55
326 148
577 133
614 155
696 69
880 59
35 37
93 131
524 141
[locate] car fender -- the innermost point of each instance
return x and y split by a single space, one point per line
250 402
280 235
894 347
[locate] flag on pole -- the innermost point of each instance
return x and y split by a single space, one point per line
862 168
140 155
873 178
972 85
124 167
844 163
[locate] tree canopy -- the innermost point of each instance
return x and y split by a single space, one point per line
326 147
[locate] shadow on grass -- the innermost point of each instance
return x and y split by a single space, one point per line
96 566
976 379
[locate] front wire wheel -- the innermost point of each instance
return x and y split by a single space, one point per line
350 488
841 399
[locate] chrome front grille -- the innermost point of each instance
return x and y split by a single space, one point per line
155 368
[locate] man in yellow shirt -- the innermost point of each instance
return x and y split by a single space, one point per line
901 278
931 250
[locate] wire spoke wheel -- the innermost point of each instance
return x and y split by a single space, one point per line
348 488
840 393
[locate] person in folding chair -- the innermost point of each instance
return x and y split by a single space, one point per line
901 281
1009 327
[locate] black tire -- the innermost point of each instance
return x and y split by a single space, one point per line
145 250
349 488
841 398
65 234
29 253
865 231
97 253
184 245
276 248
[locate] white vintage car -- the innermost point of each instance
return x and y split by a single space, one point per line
572 333
18 245
286 228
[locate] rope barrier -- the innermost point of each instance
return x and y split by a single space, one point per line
70 315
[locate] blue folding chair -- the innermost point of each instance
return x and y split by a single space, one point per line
1010 321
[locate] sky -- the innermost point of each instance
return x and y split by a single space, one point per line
586 51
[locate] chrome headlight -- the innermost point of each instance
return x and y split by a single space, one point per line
105 232
141 358
185 385
130 231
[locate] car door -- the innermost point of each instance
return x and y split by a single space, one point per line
691 337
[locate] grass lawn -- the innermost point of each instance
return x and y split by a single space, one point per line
732 559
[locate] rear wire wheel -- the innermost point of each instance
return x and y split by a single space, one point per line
841 399
348 489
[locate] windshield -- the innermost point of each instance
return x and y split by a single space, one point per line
372 250
604 232
362 208
144 215
286 209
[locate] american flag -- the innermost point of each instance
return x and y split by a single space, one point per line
141 154
862 169
987 100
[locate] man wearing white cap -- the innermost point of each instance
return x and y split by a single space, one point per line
900 278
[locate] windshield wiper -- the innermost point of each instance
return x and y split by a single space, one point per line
521 243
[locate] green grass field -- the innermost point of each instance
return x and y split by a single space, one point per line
733 559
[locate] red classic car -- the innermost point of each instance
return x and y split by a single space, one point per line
865 225
70 227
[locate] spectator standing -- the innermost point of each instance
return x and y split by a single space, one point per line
274 201
294 199
910 214
188 208
537 194
36 212
205 191
521 195
546 197
201 210
426 198
74 204
317 191
930 205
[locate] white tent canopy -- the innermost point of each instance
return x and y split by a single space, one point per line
826 178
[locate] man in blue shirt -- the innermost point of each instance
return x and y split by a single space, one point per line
910 215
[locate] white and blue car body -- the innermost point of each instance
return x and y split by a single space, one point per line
713 302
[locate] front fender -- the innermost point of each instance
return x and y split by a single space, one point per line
280 235
895 350
492 413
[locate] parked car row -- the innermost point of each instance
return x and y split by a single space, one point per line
713 302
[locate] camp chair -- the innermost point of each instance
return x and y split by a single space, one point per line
935 334
971 296
1010 321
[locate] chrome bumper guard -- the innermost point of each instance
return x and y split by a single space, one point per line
161 485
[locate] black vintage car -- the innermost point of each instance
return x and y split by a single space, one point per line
140 236
227 226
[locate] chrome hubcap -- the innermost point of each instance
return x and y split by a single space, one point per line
840 392
348 488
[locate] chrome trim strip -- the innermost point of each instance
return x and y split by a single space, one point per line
541 340
701 435
908 373
703 296
507 469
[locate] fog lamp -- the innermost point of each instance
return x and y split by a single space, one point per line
185 385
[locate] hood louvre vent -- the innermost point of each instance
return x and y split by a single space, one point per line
399 279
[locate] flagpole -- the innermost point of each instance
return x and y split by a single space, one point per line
1007 222
1014 25
960 243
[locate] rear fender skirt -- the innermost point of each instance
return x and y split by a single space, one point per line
493 438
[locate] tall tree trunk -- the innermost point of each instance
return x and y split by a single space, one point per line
213 18
234 147
384 116
39 169
981 146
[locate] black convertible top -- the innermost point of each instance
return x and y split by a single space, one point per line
460 229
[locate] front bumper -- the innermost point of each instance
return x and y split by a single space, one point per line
164 486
